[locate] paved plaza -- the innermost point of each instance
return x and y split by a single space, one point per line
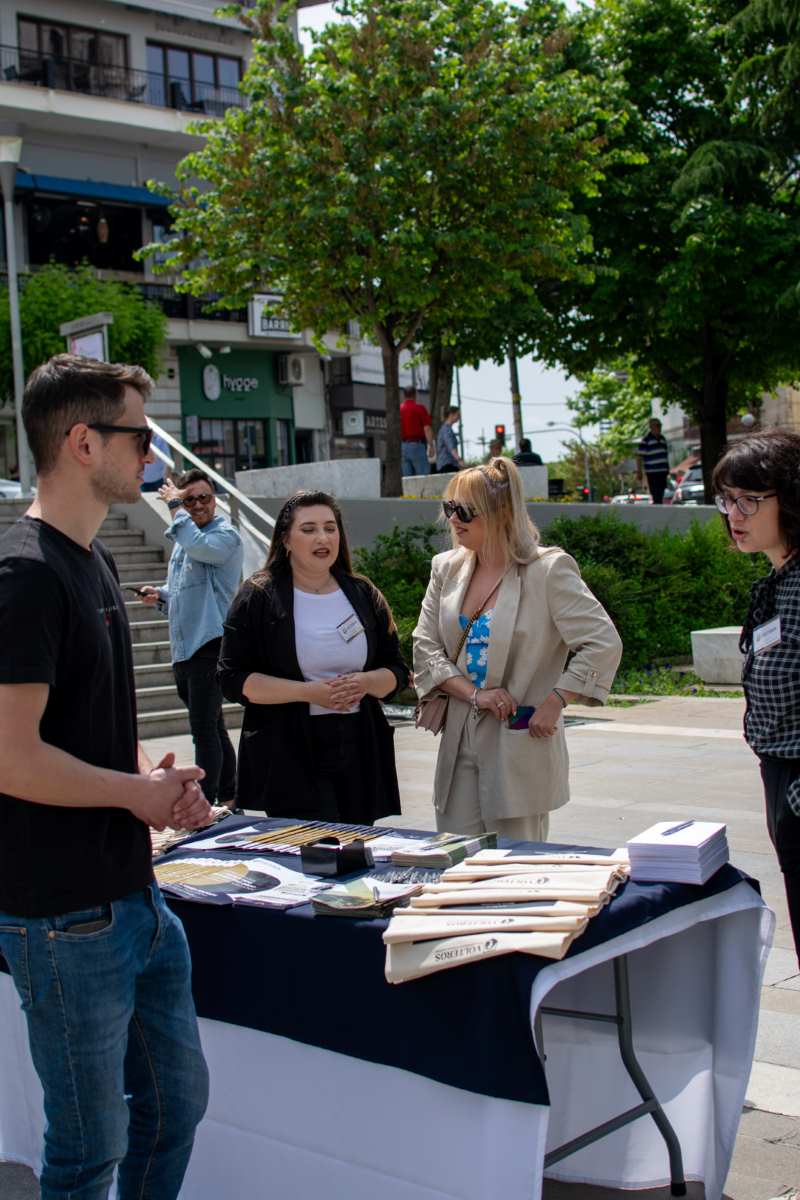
667 759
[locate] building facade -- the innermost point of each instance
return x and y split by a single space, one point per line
102 94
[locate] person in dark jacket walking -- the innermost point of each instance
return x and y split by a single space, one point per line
310 648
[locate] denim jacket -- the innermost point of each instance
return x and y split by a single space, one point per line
205 569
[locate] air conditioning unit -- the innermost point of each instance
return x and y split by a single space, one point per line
292 369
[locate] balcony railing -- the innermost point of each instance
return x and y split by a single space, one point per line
188 308
115 83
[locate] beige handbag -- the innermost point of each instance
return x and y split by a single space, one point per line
431 710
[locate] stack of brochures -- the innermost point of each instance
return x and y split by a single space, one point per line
682 852
443 850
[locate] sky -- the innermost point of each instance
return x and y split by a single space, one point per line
486 392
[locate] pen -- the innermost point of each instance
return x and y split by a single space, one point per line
676 828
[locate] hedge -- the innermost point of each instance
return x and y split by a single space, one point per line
657 587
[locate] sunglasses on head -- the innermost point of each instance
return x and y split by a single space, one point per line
143 432
462 511
203 498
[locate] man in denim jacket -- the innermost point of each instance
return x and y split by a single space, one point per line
205 569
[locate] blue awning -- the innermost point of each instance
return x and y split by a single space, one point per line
90 188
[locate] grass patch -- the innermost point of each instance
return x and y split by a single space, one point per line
666 681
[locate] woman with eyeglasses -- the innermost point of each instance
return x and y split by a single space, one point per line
500 618
310 649
757 485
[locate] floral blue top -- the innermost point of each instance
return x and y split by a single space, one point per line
478 646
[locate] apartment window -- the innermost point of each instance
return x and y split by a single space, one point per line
68 56
192 79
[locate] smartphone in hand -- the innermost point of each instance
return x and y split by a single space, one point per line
520 719
136 591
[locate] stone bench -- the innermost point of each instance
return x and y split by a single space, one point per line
716 656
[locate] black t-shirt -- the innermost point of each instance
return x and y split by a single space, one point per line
63 623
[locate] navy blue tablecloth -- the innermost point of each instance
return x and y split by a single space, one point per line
320 980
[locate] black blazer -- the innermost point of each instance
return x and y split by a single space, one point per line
275 766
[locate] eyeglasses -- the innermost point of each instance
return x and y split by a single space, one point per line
143 432
462 511
747 505
203 498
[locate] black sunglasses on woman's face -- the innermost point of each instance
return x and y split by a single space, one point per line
462 511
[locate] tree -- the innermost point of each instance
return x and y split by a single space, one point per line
418 166
614 395
56 294
696 253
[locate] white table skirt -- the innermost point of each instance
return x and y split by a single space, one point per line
291 1120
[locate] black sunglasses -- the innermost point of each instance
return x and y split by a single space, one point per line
462 511
143 432
203 498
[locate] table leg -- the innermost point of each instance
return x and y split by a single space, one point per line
650 1104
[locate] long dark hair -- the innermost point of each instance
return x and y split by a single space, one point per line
278 557
766 462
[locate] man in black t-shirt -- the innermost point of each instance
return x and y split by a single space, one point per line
100 963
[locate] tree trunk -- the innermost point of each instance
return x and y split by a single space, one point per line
714 411
516 398
441 363
392 483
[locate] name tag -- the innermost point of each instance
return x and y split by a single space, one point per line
350 628
767 635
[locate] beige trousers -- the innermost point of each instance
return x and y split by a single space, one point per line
468 810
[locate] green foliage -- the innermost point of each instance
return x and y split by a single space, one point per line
416 172
665 681
399 563
57 294
658 587
696 253
616 393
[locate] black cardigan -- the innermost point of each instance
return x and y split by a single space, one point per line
275 766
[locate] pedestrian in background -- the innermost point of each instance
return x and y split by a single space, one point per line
447 456
155 472
416 432
100 963
757 485
310 649
526 456
502 763
652 456
205 569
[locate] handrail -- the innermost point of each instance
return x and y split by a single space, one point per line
239 498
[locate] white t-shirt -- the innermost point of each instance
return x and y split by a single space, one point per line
321 626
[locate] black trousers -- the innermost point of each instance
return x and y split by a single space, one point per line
778 775
657 484
339 785
196 680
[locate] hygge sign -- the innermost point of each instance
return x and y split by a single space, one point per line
263 323
215 383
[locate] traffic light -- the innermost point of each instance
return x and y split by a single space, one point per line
586 494
500 434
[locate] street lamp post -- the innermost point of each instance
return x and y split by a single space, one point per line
10 151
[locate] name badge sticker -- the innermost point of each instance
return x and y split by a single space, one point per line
350 628
767 635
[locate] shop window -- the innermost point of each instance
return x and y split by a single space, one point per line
283 454
227 444
75 231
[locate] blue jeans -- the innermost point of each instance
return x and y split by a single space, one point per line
113 1036
414 459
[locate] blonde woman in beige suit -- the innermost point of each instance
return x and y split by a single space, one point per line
502 760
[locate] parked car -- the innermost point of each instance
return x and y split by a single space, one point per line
690 490
632 498
10 490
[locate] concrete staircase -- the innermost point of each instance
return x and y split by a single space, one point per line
160 711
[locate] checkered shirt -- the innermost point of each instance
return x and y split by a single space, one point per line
771 679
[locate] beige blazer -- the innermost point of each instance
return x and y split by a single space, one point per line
542 612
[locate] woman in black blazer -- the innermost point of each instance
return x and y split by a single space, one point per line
310 649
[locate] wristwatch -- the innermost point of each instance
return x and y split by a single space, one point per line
173 504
